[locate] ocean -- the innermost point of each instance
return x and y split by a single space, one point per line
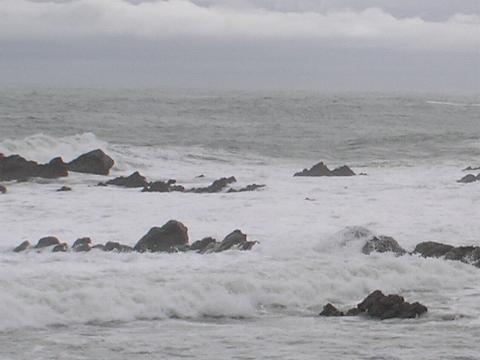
258 304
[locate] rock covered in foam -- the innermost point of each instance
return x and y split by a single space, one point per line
383 244
93 162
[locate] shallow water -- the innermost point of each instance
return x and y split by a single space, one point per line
244 305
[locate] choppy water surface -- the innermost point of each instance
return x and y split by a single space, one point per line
243 305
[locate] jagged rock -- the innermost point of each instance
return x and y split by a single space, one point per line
330 310
64 188
60 248
135 180
15 167
380 306
470 168
321 169
470 178
162 239
216 186
115 246
93 162
23 246
383 244
162 186
82 248
236 237
432 249
200 245
47 241
81 242
251 187
3 189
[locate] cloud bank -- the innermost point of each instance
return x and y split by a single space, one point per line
27 20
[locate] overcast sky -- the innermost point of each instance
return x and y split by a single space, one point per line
428 45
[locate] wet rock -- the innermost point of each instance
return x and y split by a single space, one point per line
330 310
93 162
60 248
98 247
432 249
470 168
15 167
3 189
163 186
81 242
216 186
383 244
251 187
380 306
321 169
116 246
201 245
236 237
47 241
470 178
135 180
64 188
82 248
162 239
22 247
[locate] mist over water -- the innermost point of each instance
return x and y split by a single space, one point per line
245 305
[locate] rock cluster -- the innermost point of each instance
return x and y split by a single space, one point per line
171 237
470 178
466 254
321 169
380 306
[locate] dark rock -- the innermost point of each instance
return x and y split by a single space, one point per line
200 245
432 249
115 246
135 180
3 189
200 176
342 171
60 248
64 188
172 234
15 167
216 186
470 178
251 187
82 248
236 237
162 186
81 242
321 169
47 241
383 244
98 246
470 168
383 307
93 162
330 310
22 247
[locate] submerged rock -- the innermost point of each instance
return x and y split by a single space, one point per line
201 245
216 186
163 186
163 239
135 180
235 240
81 242
3 189
251 187
93 162
15 167
383 244
116 246
64 188
83 248
47 241
470 168
60 248
23 246
470 178
321 169
380 306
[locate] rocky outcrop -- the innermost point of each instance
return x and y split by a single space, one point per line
47 241
321 169
383 244
466 254
216 186
23 246
82 242
432 249
64 188
163 239
60 248
163 186
15 167
470 178
380 306
251 187
235 240
135 180
93 162
3 189
201 245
